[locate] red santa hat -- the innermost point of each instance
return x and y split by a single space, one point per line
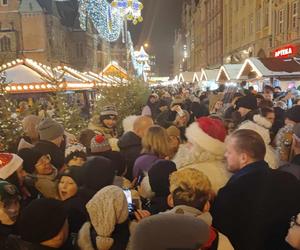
207 133
9 163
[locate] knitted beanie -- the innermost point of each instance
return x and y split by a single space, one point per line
99 144
9 163
248 101
109 110
42 220
207 133
50 129
74 150
170 231
30 157
76 173
30 124
98 173
85 138
106 209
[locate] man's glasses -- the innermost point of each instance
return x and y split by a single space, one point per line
294 222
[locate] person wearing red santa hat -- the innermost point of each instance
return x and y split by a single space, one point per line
205 150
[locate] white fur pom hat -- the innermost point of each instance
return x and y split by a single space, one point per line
9 163
207 133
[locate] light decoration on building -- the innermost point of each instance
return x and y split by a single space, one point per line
138 67
107 22
130 10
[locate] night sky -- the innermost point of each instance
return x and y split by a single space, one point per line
161 18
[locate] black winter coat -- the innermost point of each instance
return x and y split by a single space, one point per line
130 147
254 208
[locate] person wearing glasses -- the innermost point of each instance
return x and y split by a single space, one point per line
293 236
41 177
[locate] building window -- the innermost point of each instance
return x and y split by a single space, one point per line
250 24
258 23
4 2
281 21
266 14
5 44
294 15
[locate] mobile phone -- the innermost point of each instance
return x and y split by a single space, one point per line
139 180
131 206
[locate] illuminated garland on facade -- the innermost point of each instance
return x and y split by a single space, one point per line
108 23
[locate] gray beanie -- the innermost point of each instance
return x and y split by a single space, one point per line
50 129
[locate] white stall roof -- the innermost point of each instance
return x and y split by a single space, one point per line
230 71
209 74
186 76
22 74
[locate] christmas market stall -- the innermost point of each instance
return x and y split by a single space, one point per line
114 73
283 72
208 79
228 74
186 77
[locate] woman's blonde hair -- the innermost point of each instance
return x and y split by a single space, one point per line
190 187
156 141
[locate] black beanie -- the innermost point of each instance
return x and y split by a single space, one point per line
248 102
42 220
30 157
117 161
159 177
293 114
74 172
98 173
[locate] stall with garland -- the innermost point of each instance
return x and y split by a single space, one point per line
283 72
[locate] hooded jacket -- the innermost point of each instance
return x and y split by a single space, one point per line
212 164
261 125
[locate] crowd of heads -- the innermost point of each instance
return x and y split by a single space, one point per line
166 175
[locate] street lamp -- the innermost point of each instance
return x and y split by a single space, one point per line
146 45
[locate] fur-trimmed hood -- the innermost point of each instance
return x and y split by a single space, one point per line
212 165
260 125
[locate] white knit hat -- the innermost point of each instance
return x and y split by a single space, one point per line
106 209
71 148
9 163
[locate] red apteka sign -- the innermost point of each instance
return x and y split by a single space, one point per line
286 51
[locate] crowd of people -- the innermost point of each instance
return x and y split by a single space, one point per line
194 170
